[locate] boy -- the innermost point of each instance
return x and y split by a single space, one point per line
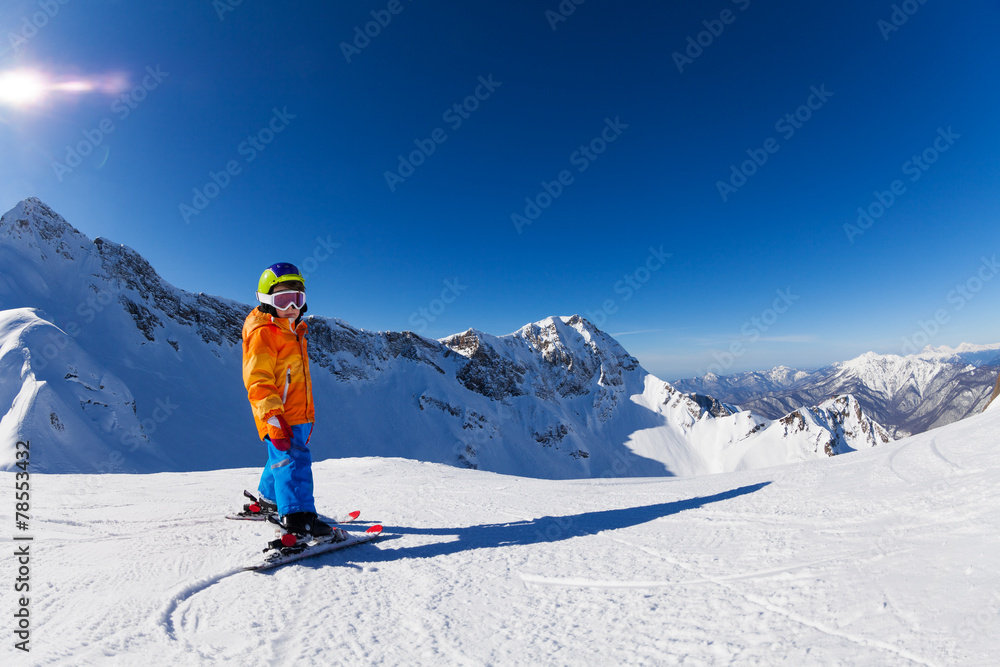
276 375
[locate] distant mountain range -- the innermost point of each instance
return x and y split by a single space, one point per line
107 367
906 394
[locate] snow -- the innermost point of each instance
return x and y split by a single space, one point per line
887 373
881 557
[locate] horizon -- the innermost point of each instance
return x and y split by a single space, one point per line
720 185
720 358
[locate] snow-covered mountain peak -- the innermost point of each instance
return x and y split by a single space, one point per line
784 376
470 341
836 426
867 360
569 330
34 214
907 394
850 419
39 232
31 225
560 339
888 373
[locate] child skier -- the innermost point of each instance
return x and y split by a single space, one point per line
276 375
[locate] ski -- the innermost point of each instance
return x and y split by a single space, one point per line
276 557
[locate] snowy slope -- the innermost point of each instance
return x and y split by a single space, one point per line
906 394
107 367
884 557
75 398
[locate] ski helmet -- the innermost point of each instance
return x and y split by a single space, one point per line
278 273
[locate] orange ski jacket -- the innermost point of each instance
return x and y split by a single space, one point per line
276 371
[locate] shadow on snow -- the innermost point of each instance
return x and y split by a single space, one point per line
536 531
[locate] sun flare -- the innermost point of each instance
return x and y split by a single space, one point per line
22 88
28 88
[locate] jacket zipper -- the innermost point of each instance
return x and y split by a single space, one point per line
288 371
305 370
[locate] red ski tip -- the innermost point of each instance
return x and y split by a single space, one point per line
355 514
288 539
377 528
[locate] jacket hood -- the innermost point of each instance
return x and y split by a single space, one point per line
257 319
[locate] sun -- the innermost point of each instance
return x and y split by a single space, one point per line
21 88
27 87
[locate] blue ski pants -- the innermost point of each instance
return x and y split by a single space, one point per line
287 478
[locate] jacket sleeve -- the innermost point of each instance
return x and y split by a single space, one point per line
260 378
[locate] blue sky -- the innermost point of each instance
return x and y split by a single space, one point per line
221 138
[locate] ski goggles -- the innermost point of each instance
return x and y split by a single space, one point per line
283 300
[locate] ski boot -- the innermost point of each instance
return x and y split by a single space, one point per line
258 508
307 523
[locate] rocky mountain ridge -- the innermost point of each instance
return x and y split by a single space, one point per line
108 367
907 394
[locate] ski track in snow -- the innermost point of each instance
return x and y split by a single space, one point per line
757 600
881 557
184 595
587 583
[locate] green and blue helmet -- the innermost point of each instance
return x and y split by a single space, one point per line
279 273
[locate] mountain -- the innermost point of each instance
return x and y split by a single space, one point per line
107 367
964 354
821 562
742 387
907 394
